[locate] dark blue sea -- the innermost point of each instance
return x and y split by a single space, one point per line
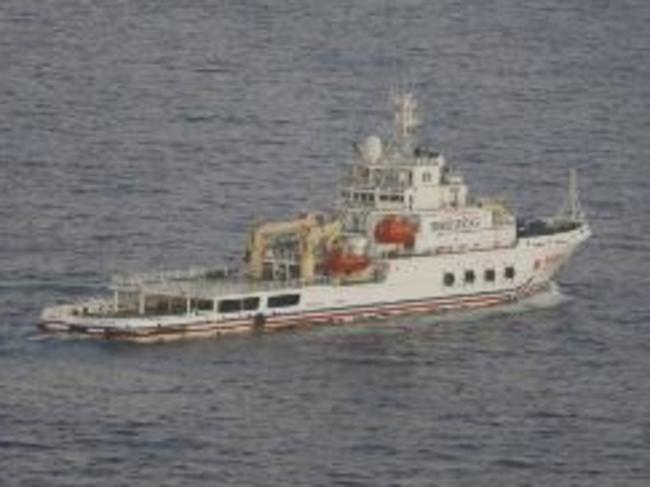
138 135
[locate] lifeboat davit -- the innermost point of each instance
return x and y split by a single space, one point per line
345 263
394 230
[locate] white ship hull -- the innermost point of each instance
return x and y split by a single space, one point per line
406 238
413 285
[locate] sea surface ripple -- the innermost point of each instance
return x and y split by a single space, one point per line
150 134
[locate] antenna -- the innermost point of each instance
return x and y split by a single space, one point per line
406 118
572 208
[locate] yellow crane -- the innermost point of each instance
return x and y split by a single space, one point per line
310 232
320 236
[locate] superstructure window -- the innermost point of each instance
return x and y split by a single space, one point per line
235 305
364 197
490 275
283 300
251 304
470 277
448 279
426 177
205 305
391 197
229 306
178 305
509 272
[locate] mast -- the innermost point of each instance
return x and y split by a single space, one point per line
572 208
406 118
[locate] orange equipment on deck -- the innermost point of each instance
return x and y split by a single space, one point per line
339 263
396 230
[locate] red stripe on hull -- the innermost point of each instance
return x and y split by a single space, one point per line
280 322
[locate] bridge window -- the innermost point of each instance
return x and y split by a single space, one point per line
490 275
390 197
510 272
283 300
449 279
470 277
364 197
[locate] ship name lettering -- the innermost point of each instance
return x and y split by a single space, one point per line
457 224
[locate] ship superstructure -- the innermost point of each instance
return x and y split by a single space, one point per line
406 237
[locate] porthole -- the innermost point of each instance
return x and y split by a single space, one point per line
470 277
489 275
448 279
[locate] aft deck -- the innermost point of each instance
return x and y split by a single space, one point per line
200 284
205 287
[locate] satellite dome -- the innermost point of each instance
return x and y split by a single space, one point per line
371 150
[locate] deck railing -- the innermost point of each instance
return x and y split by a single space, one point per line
196 284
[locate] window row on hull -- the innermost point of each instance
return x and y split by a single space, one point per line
253 303
469 276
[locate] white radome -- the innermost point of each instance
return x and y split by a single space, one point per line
372 149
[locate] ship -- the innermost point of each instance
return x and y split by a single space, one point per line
405 236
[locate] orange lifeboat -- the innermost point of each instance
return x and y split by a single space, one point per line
394 230
344 263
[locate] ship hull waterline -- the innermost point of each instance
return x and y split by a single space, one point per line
299 320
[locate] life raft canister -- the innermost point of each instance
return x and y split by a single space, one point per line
340 263
396 230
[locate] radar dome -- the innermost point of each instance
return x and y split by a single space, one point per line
371 150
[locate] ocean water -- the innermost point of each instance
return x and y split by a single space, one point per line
149 134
